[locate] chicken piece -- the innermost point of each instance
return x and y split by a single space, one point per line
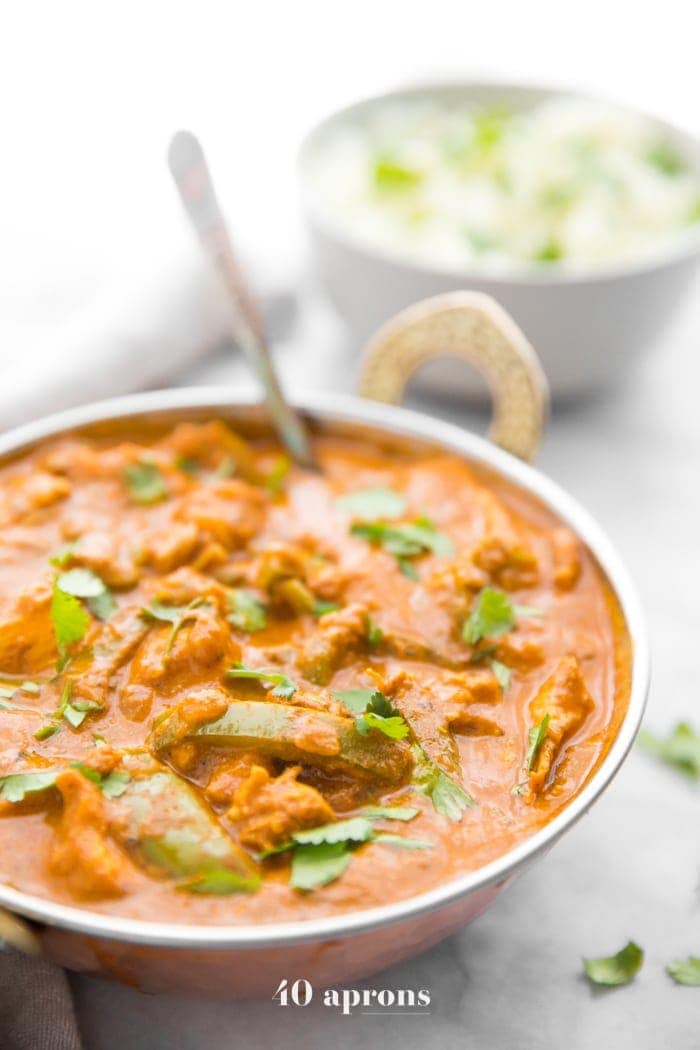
268 810
107 555
168 548
338 635
202 642
461 720
520 653
229 512
116 642
567 702
29 492
210 444
509 565
566 554
475 685
502 552
230 772
186 585
420 704
27 642
84 856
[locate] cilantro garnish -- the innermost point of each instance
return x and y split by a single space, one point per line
74 711
616 969
17 786
112 785
188 465
448 797
69 619
283 686
401 842
246 611
665 159
374 712
391 175
63 555
177 615
374 633
405 541
535 739
145 483
84 583
373 504
320 608
680 749
322 854
355 829
390 812
314 866
493 616
685 971
502 673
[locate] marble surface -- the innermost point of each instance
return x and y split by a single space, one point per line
630 869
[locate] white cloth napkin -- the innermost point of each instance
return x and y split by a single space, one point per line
132 333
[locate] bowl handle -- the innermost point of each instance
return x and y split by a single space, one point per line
471 326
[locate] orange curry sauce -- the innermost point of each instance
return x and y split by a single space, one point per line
135 574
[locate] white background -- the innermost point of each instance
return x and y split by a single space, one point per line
89 96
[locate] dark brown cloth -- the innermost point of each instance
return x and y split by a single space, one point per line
36 1006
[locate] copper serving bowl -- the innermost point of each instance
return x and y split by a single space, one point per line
239 961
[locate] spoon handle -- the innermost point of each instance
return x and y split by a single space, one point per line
192 177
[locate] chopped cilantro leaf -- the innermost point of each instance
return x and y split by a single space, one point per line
112 785
680 749
390 175
314 866
403 843
177 615
69 619
321 608
84 583
616 969
448 797
550 251
187 465
405 541
493 615
502 673
355 829
685 971
246 611
665 159
535 739
390 812
374 711
373 504
374 633
145 483
63 555
283 686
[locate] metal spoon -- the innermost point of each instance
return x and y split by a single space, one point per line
192 177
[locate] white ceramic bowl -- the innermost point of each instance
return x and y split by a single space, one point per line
587 327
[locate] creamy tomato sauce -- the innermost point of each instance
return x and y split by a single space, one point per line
209 663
